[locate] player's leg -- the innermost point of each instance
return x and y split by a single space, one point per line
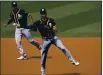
28 35
44 51
18 37
59 44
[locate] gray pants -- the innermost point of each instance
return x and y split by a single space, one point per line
45 47
18 35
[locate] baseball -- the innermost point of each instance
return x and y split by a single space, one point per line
16 25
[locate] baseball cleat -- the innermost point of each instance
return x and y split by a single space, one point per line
22 58
42 73
76 63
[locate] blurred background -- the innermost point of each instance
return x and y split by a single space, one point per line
74 19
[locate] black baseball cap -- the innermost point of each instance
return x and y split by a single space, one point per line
14 4
43 11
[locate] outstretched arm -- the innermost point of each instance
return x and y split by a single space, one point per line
9 21
33 27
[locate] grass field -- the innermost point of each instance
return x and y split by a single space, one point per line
73 18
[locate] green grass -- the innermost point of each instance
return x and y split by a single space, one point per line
79 20
93 29
28 6
85 17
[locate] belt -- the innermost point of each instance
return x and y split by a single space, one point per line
48 38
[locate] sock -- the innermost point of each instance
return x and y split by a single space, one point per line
21 51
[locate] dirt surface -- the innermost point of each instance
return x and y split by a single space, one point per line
86 50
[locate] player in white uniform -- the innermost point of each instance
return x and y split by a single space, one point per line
19 18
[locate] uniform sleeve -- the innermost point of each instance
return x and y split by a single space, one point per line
24 12
11 19
53 22
11 15
33 26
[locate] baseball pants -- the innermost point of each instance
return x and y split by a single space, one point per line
45 47
18 36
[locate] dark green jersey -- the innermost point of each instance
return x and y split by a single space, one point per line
20 16
44 27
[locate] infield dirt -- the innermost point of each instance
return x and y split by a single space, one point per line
87 50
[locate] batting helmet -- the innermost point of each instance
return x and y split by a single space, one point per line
43 11
14 4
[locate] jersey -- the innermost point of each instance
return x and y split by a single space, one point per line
20 17
44 27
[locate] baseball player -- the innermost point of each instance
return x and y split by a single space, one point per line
19 18
48 30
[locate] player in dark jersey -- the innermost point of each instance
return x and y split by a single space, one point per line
48 30
19 18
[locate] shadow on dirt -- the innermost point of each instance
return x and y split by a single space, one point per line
66 74
70 74
38 57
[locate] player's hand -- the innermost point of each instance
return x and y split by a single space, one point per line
5 25
55 28
16 25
